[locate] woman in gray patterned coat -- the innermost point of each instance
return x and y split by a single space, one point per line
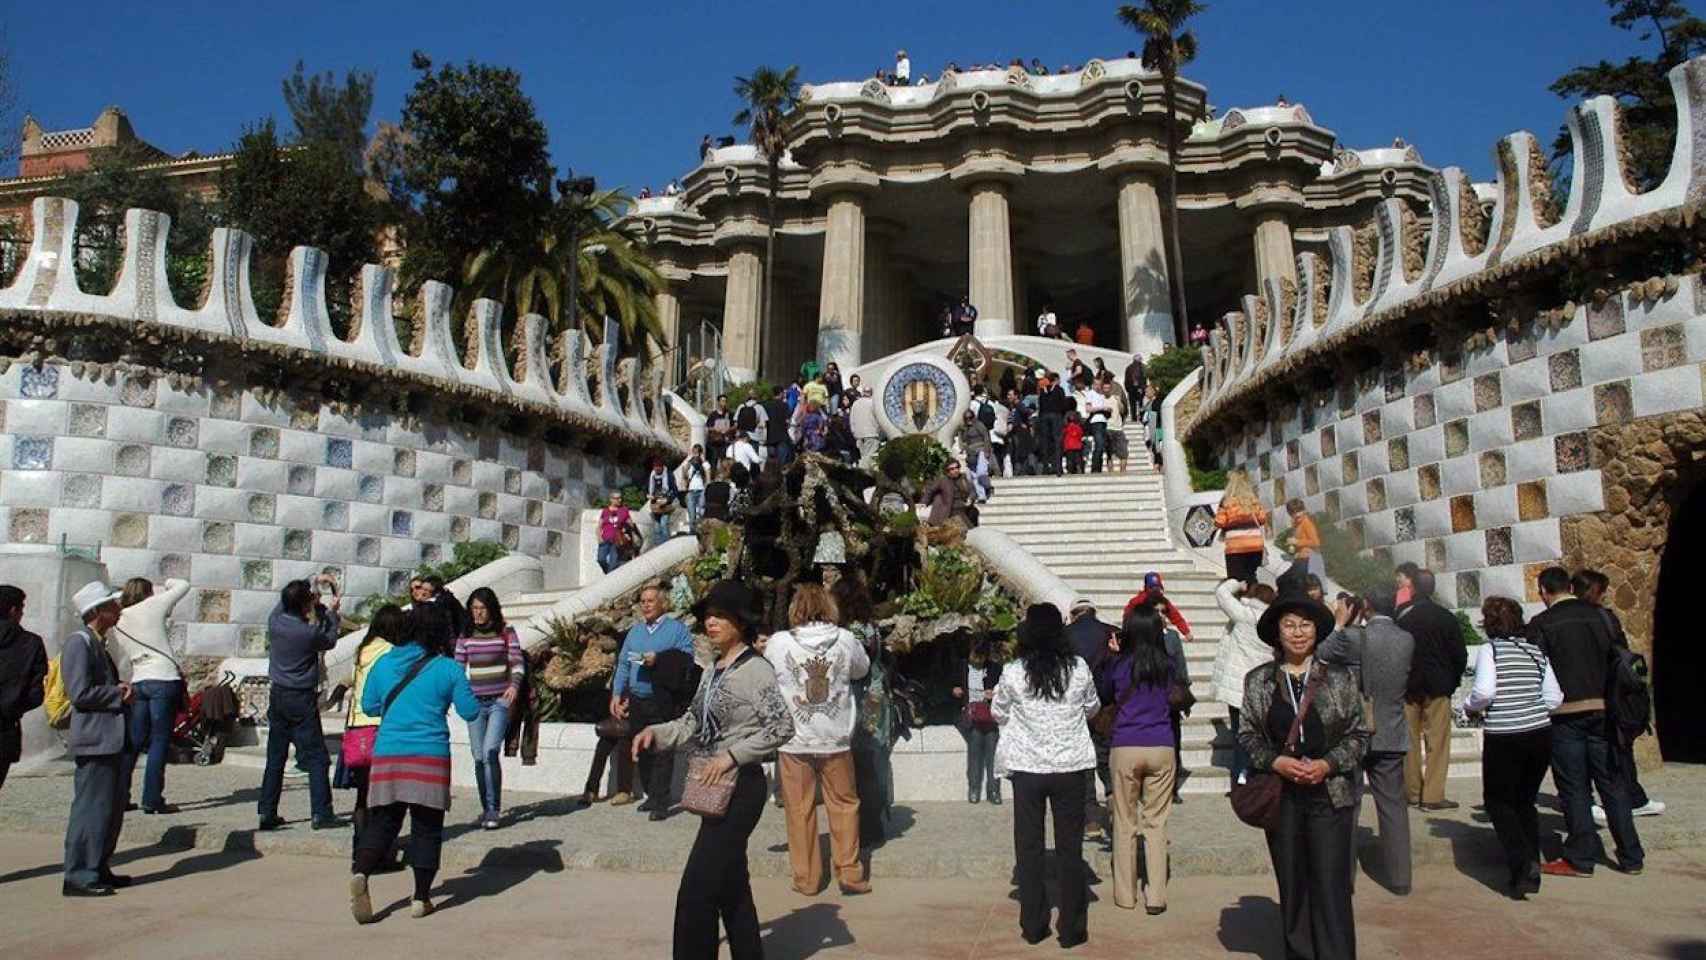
1311 846
737 718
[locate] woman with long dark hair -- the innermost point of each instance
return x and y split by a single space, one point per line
384 632
410 690
496 667
737 718
1136 680
1042 703
1304 721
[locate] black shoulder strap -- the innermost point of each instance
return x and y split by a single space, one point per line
413 672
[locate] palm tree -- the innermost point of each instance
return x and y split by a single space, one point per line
770 96
613 274
1167 47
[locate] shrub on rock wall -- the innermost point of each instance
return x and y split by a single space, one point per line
1347 565
1168 367
465 558
918 458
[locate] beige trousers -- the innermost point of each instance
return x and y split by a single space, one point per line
1143 795
801 775
1430 726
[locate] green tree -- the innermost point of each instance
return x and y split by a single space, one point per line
308 194
1167 46
121 178
1640 84
769 95
468 170
325 111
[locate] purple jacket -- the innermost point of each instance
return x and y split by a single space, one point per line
1143 718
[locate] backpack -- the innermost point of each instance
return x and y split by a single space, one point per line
986 414
54 702
747 418
1627 698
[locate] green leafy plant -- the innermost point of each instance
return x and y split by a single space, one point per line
1168 367
917 457
633 497
998 609
1471 636
1205 480
757 389
709 567
465 558
902 524
951 580
1347 565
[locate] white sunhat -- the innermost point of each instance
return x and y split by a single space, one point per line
93 595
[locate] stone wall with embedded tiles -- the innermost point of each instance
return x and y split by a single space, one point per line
1468 465
239 493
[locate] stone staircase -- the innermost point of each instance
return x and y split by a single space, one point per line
1101 533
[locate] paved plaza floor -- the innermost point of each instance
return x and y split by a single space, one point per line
600 881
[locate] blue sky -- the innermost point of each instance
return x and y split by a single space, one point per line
626 89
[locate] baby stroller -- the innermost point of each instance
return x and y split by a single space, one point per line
204 723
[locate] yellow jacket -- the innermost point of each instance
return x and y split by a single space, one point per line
365 658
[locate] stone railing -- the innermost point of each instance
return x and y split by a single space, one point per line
1435 391
206 443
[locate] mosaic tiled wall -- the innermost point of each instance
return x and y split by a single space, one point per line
239 495
1466 466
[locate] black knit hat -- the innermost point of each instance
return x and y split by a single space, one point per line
1268 627
733 598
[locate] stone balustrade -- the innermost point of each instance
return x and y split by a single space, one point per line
1423 390
207 443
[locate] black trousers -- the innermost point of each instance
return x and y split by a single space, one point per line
1049 427
1512 766
426 836
1064 794
1243 566
656 767
624 765
715 883
1311 851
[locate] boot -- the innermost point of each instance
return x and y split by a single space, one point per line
993 792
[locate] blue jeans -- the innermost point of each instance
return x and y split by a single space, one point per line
1581 752
486 739
608 558
151 716
293 717
695 509
660 524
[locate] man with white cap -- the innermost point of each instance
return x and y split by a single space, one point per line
97 744
1092 639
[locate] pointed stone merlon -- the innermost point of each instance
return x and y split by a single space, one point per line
224 308
1461 243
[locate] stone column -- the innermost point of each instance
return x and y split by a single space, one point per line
1143 267
741 297
669 318
1274 257
991 251
841 308
881 305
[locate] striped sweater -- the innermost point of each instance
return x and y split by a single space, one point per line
494 662
1515 685
1241 528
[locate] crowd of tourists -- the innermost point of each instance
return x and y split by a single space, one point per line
901 75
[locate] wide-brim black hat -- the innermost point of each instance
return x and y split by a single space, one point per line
1042 620
730 597
1268 627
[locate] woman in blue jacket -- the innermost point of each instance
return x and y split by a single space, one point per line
410 690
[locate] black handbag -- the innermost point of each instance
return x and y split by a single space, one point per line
1256 801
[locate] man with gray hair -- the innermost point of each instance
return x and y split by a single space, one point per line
97 743
1380 652
862 420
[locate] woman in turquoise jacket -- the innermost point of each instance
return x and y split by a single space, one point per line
410 690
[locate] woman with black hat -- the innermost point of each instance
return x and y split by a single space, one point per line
1303 720
1043 703
737 718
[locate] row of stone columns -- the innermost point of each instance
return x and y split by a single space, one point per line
859 293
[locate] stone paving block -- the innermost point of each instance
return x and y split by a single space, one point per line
301 447
1496 507
1537 540
1612 359
335 484
31 488
179 466
48 418
1573 493
1666 391
299 512
138 425
132 493
1490 430
258 540
224 436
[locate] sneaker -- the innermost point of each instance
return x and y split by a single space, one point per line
1651 808
360 904
1093 830
272 822
1632 869
420 908
621 799
489 822
1562 868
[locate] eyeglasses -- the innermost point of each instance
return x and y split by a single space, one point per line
1297 626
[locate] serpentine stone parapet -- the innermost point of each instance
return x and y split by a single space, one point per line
1389 279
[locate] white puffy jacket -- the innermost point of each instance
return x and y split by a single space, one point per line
1241 650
